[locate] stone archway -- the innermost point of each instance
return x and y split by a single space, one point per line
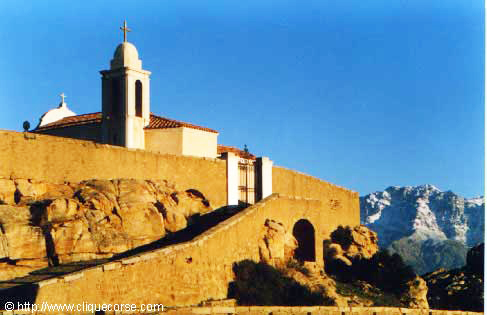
304 232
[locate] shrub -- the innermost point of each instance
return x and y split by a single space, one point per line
475 260
343 236
294 264
261 284
378 298
387 272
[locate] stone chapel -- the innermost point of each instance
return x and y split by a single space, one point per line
126 120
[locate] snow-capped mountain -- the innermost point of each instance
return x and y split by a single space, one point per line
424 218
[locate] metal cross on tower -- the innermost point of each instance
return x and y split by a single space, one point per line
62 97
125 29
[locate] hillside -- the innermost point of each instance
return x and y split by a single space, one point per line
460 288
429 228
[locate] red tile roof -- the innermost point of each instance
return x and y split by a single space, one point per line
156 122
240 153
77 120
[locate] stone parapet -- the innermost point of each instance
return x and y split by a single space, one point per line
311 310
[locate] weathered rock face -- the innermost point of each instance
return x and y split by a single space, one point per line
45 223
277 244
7 191
364 243
416 294
19 239
350 243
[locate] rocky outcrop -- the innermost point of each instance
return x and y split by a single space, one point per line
45 223
314 279
277 245
416 294
368 276
364 243
460 288
475 260
15 222
351 243
334 253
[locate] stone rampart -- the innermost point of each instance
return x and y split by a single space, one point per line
311 310
56 159
186 273
339 205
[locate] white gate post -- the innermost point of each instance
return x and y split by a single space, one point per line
265 183
232 178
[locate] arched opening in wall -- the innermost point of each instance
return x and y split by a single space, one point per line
304 232
138 98
115 97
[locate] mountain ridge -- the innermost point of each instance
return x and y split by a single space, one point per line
428 227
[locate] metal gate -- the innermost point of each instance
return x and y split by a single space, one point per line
246 187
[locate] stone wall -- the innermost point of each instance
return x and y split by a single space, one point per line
56 159
339 206
183 274
311 310
197 270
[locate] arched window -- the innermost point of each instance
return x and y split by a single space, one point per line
304 233
116 91
138 98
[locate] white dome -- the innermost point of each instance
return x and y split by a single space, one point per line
55 114
126 55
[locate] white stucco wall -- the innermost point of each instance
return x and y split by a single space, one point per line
168 140
199 143
134 133
182 141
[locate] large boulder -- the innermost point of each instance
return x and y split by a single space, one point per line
19 239
334 252
7 191
28 190
277 244
73 242
63 209
352 256
22 245
364 242
416 294
348 243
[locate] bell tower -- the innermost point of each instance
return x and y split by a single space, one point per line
125 97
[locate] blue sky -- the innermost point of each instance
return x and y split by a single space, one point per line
364 94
